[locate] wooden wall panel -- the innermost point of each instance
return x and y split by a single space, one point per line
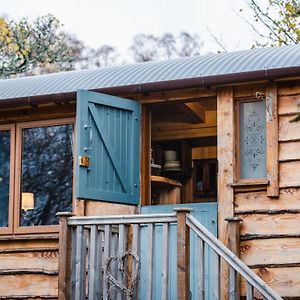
270 224
288 131
289 173
28 285
285 281
29 268
289 199
249 90
289 151
289 88
288 104
34 262
98 208
271 251
16 245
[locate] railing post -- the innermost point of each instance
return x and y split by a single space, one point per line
183 254
234 246
64 262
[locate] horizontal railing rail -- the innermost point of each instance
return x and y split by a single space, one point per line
126 219
236 265
135 257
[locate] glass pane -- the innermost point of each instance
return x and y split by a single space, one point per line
47 171
4 176
253 140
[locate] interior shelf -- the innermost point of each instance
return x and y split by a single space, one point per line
164 181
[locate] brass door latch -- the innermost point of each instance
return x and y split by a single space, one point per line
84 161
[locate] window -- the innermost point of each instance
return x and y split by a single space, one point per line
252 117
36 175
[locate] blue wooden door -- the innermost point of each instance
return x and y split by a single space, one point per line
107 148
207 214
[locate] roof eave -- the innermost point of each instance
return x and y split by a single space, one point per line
161 86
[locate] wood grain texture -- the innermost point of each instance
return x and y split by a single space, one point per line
45 261
289 88
183 256
226 144
289 175
187 94
289 151
285 281
288 104
248 90
204 152
271 251
145 156
288 131
280 224
194 111
29 113
272 142
65 256
28 285
22 245
289 199
163 124
98 208
184 134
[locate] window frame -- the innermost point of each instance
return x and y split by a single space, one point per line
11 129
15 177
237 174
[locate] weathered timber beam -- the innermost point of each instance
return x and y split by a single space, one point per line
177 96
194 110
184 134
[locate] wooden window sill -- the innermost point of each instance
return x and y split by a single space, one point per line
246 183
28 237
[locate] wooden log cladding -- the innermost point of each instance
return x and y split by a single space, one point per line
45 261
288 105
266 224
288 131
23 245
285 281
289 88
258 202
271 251
28 285
29 268
289 175
289 151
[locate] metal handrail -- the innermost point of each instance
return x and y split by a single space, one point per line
232 259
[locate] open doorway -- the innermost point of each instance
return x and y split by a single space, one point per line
184 152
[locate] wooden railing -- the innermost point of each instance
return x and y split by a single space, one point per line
115 257
236 266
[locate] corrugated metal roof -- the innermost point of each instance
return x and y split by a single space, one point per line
177 69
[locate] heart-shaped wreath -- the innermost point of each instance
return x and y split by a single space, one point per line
127 287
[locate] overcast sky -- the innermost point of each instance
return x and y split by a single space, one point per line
115 22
